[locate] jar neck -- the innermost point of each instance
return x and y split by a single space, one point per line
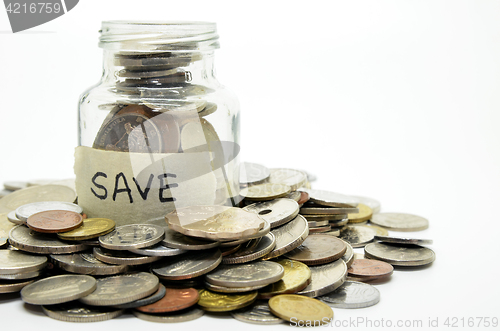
157 69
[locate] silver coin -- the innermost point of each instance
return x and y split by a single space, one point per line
25 211
4 242
189 265
277 212
400 221
352 295
331 218
87 264
332 199
248 274
357 236
158 295
372 203
253 173
12 262
132 236
13 218
295 196
257 313
158 250
348 256
58 289
289 236
400 240
122 257
14 186
332 232
400 255
252 250
7 286
315 224
225 289
177 240
116 290
314 209
325 278
175 317
4 193
23 275
262 232
79 313
339 223
291 177
31 241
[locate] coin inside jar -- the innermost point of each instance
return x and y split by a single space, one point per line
54 221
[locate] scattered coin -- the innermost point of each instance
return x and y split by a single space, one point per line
122 257
12 262
4 242
320 229
229 249
277 212
380 231
296 277
54 221
25 211
253 173
252 250
348 257
31 241
174 239
175 317
264 192
357 236
132 236
262 232
331 199
115 290
23 275
364 214
304 197
189 265
158 295
313 209
219 302
4 193
248 274
289 236
214 222
318 249
400 221
12 286
314 224
35 194
400 255
226 289
11 216
325 278
370 269
90 229
158 250
294 308
87 264
352 295
339 223
294 195
174 300
58 289
79 313
256 313
14 186
291 177
400 240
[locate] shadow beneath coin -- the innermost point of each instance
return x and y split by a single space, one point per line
380 281
413 268
9 297
225 315
34 309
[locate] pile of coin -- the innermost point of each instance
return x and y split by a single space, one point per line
287 252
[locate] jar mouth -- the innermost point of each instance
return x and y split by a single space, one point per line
151 36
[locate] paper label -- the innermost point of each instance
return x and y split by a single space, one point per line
138 187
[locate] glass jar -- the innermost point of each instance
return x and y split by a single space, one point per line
158 132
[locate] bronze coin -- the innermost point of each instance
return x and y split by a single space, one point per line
175 299
304 197
370 268
54 221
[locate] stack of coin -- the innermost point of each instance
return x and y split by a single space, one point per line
209 258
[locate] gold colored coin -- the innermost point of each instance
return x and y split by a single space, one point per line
364 214
5 225
91 228
297 276
380 230
218 302
264 192
302 310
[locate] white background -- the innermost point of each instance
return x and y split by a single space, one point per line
395 100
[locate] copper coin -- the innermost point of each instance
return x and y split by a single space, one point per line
54 221
175 299
304 197
370 268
